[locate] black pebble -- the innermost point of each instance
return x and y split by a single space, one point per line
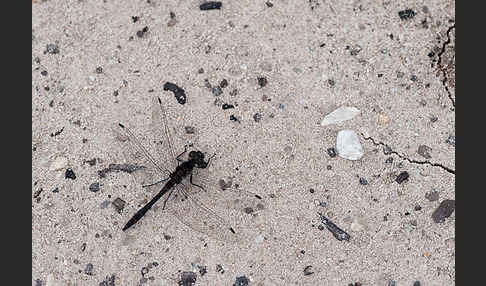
392 283
311 191
99 70
407 14
223 83
119 204
70 174
241 281
416 283
331 152
387 150
413 78
44 73
431 54
363 181
233 118
135 19
228 106
257 117
211 5
56 190
142 32
219 268
445 209
417 207
202 270
403 176
331 82
389 160
94 187
262 81
307 270
217 91
179 93
269 4
432 196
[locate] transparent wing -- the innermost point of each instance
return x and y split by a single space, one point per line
189 205
135 154
161 135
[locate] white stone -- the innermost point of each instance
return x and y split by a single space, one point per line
259 239
348 145
59 163
340 115
51 280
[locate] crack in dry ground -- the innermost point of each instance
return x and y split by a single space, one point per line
403 157
444 69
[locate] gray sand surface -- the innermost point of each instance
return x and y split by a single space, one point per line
316 56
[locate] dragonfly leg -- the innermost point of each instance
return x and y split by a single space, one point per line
149 185
165 201
178 158
195 184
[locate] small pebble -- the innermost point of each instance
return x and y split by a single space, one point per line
262 81
58 164
445 210
403 176
432 196
424 151
416 283
392 283
387 150
227 106
105 204
119 204
241 281
211 5
259 239
52 49
89 269
331 82
217 91
269 4
417 207
348 145
44 73
94 187
188 278
70 174
234 118
389 160
99 70
363 181
219 268
331 152
223 83
201 70
413 78
190 129
406 14
257 117
451 140
142 32
340 115
308 270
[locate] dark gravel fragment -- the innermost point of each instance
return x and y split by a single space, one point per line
179 93
424 151
127 168
451 140
109 281
44 73
389 160
413 78
188 278
56 190
135 19
403 176
190 129
52 49
69 174
94 187
262 81
234 92
432 196
91 162
257 117
223 83
406 14
57 132
38 282
210 5
338 233
269 4
392 283
119 204
331 152
416 283
241 281
99 70
219 268
202 270
217 91
363 181
387 150
234 118
227 106
88 269
445 209
417 208
142 32
307 270
225 184
354 284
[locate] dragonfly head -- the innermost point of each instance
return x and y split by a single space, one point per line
198 158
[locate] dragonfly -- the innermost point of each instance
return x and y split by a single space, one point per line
171 178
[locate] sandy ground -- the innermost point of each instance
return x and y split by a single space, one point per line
316 56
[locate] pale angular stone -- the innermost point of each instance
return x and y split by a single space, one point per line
340 115
59 163
348 145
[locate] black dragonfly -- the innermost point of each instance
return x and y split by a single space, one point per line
179 196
